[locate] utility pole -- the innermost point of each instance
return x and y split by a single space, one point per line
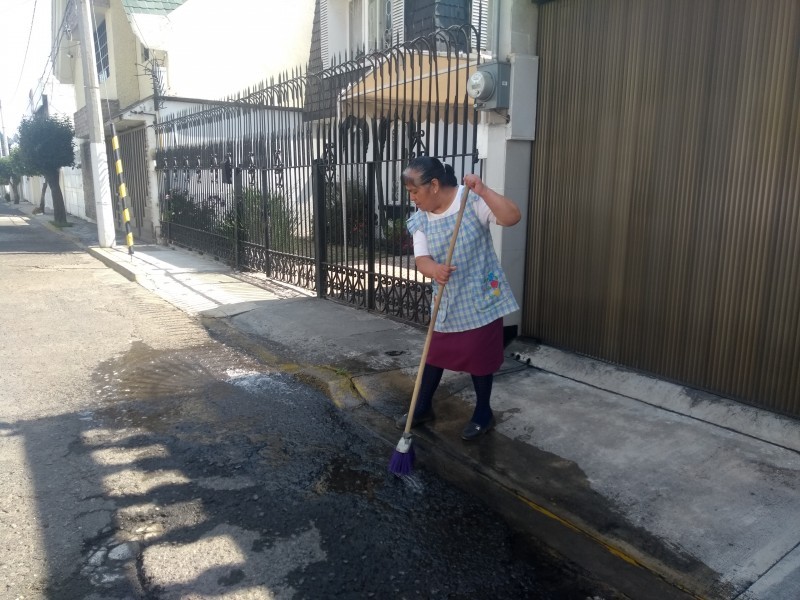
97 142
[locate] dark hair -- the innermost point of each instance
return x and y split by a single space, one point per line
430 168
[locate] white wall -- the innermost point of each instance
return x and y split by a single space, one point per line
220 48
72 188
507 146
29 190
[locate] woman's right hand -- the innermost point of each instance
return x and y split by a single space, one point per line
441 273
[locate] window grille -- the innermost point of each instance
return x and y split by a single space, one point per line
101 52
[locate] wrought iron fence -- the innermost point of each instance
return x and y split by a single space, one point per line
301 178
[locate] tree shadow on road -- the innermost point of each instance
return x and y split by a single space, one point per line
201 474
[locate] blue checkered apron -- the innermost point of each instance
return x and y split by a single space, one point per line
477 292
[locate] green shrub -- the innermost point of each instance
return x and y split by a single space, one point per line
181 209
273 213
396 239
355 224
283 222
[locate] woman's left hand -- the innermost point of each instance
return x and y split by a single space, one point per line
504 209
474 183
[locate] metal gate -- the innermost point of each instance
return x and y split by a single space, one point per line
664 228
301 178
133 153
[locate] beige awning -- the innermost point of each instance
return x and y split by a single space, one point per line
411 81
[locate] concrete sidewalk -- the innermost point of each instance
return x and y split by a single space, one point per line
661 491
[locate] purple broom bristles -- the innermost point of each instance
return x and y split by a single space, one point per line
402 462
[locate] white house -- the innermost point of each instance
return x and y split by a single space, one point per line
171 54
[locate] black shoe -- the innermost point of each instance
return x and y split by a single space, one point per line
473 431
419 419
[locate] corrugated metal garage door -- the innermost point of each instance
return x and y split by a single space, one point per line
665 229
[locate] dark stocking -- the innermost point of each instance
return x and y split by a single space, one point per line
431 376
483 393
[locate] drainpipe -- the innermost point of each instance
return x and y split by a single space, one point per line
496 32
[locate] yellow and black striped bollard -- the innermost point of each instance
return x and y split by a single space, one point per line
123 190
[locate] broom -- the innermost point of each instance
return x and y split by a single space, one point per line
402 461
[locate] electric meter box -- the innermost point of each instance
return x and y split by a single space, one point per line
490 86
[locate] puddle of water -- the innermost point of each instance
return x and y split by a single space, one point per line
413 483
340 477
236 373
261 383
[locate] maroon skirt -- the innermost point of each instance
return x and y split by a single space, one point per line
475 351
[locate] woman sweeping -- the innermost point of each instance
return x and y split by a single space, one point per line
468 332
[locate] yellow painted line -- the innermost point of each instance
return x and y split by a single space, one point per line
115 143
123 190
613 550
119 166
129 240
126 215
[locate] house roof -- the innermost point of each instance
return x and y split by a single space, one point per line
151 7
150 21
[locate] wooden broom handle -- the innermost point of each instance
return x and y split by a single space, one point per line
436 302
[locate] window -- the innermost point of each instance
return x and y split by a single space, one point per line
348 26
101 52
376 24
367 24
356 25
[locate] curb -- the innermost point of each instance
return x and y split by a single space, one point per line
61 231
337 385
46 220
584 547
97 253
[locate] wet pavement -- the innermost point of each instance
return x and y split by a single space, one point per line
231 456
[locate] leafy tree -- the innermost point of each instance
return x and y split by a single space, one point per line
5 172
45 145
15 169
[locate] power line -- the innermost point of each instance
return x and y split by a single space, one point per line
28 45
56 42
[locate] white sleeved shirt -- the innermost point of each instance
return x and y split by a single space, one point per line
482 210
